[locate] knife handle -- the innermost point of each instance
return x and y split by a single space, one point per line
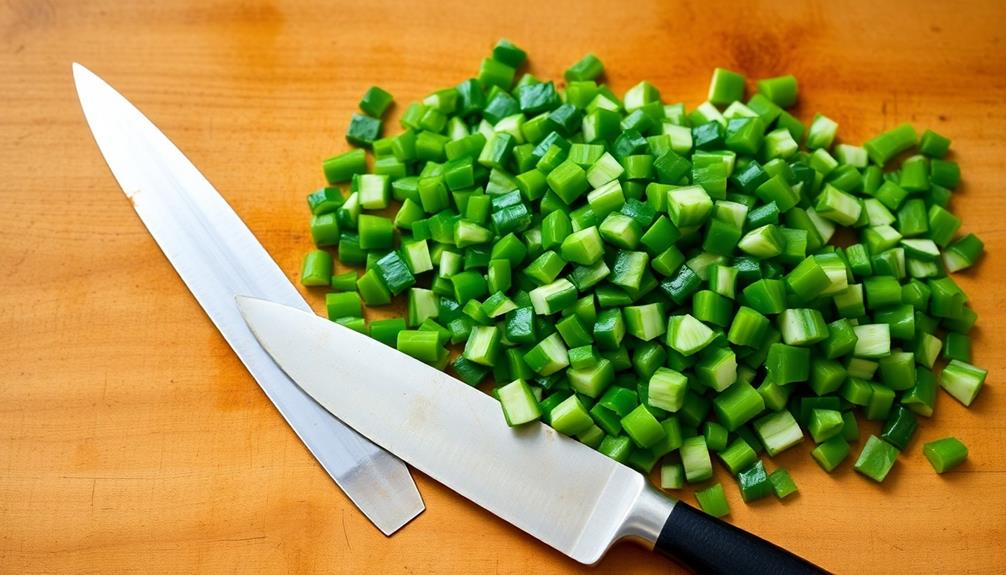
707 545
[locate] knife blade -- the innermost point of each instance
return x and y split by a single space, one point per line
554 488
217 257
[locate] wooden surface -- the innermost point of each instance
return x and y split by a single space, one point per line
133 441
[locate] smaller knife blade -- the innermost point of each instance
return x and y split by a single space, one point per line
218 257
555 488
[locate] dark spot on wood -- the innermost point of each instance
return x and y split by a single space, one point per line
756 53
941 118
26 16
763 52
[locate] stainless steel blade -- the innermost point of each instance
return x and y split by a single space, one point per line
218 257
553 487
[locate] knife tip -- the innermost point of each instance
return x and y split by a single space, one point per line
244 302
78 69
81 75
390 527
247 306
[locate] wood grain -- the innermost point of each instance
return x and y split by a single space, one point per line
132 440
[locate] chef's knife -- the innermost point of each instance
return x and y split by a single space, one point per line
557 489
218 257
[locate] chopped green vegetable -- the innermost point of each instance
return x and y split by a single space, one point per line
876 459
962 380
738 456
657 282
316 269
672 476
642 427
519 404
754 482
945 454
726 87
830 453
667 389
782 483
780 90
422 345
344 304
713 500
587 68
778 431
375 101
695 458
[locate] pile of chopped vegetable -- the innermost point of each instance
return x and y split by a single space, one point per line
660 284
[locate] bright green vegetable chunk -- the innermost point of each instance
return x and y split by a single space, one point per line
548 357
830 453
316 269
689 206
738 456
591 380
422 345
825 424
672 476
781 90
713 500
754 483
570 417
725 87
363 130
738 404
645 322
344 304
667 389
553 297
386 330
876 459
372 289
717 369
583 247
509 53
695 458
962 380
587 68
375 101
343 167
568 181
782 483
483 345
802 326
519 404
778 431
891 143
642 427
687 335
945 454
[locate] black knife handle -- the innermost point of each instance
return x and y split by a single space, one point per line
707 545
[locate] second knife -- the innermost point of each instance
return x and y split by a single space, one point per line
218 257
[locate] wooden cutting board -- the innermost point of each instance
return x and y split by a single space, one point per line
133 441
